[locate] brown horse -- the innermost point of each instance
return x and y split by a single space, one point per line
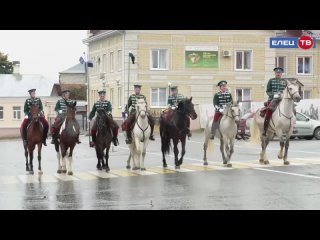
69 134
104 138
34 137
173 125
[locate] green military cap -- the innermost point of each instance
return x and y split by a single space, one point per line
278 69
65 91
174 87
32 90
223 82
102 92
137 86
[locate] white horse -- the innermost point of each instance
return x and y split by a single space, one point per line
281 123
226 132
140 136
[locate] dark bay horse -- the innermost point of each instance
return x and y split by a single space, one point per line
104 138
34 137
173 126
69 133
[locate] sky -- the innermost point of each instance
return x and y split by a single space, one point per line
45 52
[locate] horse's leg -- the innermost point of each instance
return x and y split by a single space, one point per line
229 164
205 147
128 161
31 149
266 142
285 161
26 155
70 171
183 150
138 153
176 153
107 157
280 153
39 157
263 149
102 159
63 158
58 157
164 162
99 154
144 150
222 151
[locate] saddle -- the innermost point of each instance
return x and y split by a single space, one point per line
167 115
263 110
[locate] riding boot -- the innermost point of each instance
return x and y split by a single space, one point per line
115 141
265 126
24 134
45 136
78 139
129 138
151 122
94 139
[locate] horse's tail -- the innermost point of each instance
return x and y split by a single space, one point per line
254 131
165 139
207 137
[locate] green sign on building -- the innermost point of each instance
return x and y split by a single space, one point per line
201 57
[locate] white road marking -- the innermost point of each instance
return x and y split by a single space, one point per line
103 174
8 180
288 173
65 177
179 170
143 172
28 178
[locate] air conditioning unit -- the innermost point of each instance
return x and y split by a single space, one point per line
226 53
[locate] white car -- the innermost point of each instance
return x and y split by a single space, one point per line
306 127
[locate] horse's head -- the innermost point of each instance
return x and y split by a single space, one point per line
141 108
232 111
34 112
187 107
71 110
294 89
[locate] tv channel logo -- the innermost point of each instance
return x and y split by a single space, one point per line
304 42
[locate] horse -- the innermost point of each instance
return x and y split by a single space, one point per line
226 132
281 123
104 138
69 133
140 135
34 137
173 126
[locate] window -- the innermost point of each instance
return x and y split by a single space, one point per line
111 62
281 62
159 97
243 60
159 59
104 63
111 95
243 94
306 94
304 65
119 97
16 113
119 60
300 117
1 113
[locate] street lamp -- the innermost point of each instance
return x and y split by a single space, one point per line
132 57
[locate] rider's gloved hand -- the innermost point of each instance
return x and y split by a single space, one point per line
221 110
276 95
60 111
26 117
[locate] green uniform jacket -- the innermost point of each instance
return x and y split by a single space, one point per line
106 105
275 85
220 99
29 101
132 101
61 105
174 100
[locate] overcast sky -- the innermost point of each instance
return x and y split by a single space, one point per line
45 52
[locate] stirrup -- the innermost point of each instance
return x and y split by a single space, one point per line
211 136
151 137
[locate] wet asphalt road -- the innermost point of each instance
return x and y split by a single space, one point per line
246 186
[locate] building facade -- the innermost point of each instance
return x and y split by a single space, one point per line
195 61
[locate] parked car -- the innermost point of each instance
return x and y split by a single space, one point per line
305 127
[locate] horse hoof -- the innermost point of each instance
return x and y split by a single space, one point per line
286 162
229 165
128 166
59 171
165 165
280 157
143 169
107 169
177 167
104 166
27 169
70 173
261 161
99 167
266 162
135 168
205 163
31 172
40 172
63 171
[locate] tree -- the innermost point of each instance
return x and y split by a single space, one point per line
6 67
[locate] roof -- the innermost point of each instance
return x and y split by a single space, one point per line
17 85
79 68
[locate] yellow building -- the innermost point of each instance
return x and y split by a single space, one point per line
194 60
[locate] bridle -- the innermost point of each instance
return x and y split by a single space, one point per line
136 121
